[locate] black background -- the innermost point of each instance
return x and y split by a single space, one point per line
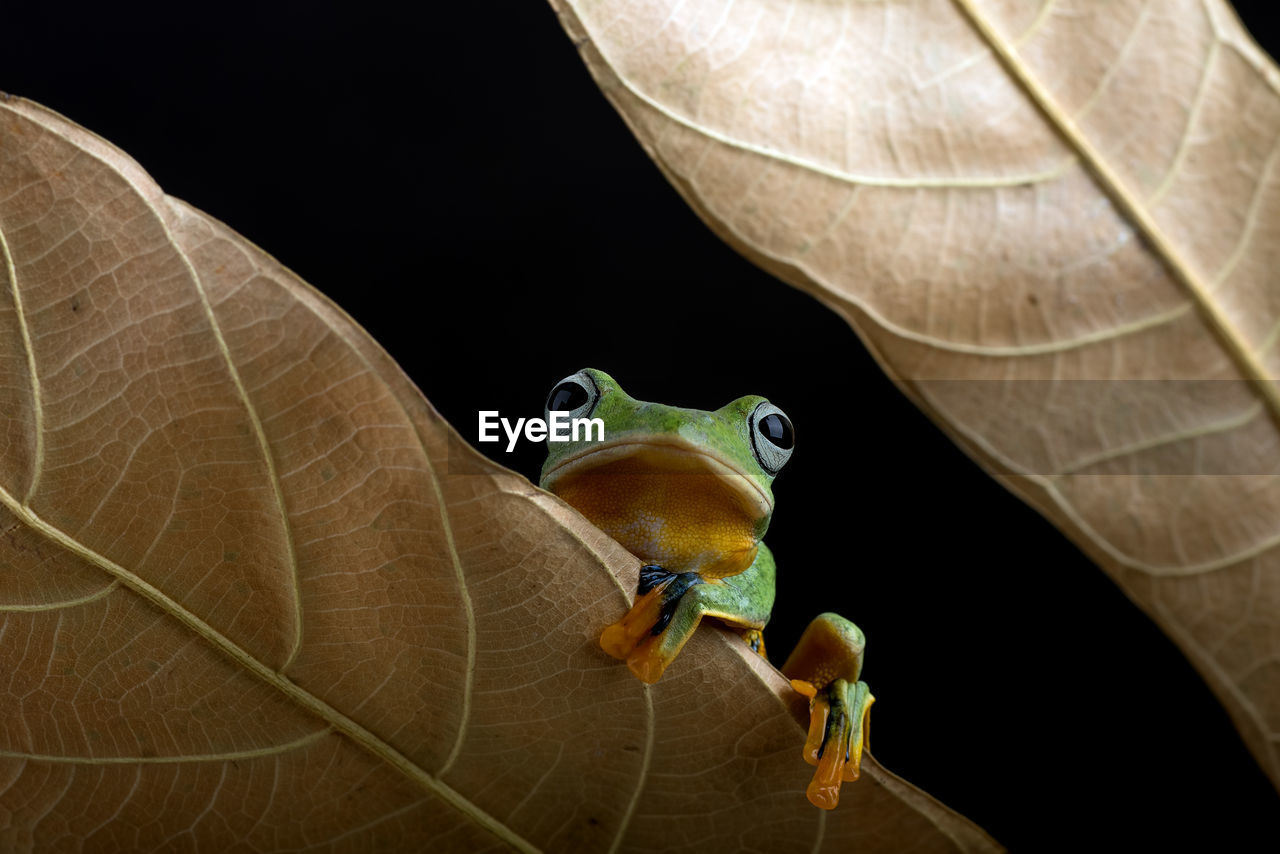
454 179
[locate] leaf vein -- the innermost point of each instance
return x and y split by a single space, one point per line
1222 426
822 830
65 603
228 756
1130 39
980 182
1193 119
645 692
313 704
37 402
1050 484
464 717
1110 182
261 436
1046 8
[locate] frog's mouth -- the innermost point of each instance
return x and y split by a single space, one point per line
667 501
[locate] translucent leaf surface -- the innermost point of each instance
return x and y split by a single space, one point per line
1054 222
255 595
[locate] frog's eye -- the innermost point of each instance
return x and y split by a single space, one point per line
576 395
772 437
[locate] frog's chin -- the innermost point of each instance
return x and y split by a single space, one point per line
663 457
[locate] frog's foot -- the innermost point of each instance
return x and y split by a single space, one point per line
825 666
837 734
754 638
640 638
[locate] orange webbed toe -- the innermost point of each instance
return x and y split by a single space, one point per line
838 725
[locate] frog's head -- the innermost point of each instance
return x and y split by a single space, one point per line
684 488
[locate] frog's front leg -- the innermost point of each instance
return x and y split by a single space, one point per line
825 666
669 606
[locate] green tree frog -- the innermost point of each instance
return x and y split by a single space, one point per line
689 492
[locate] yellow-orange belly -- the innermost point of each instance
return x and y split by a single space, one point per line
668 511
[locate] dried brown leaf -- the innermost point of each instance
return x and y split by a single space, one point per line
1054 222
256 595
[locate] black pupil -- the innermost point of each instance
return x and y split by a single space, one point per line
566 397
777 430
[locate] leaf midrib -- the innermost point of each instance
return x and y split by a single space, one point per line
1111 183
336 719
25 514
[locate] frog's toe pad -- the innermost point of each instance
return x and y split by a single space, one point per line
637 637
621 638
643 656
838 723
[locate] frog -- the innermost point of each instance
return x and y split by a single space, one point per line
689 493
